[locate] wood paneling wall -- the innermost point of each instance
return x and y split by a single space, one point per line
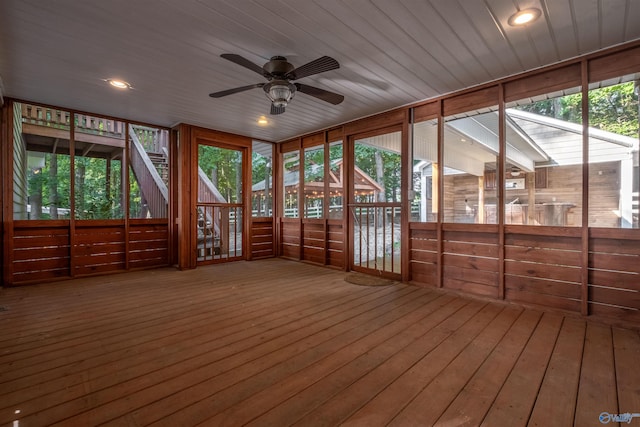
614 273
423 253
543 266
335 243
290 242
262 238
41 250
470 258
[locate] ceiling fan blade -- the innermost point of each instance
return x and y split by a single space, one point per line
237 59
319 65
236 90
325 95
276 110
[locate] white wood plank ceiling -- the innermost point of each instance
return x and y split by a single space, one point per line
391 53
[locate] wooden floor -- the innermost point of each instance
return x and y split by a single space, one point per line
277 343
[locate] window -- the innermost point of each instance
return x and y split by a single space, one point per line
613 154
543 171
41 163
291 181
99 148
471 147
336 180
377 177
148 172
262 179
424 204
220 175
314 182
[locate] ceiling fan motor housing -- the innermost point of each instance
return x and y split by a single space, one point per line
278 67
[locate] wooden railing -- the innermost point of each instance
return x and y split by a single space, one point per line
208 193
58 119
377 230
153 140
152 187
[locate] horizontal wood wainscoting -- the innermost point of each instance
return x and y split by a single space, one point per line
280 343
423 253
614 273
470 258
319 241
542 265
262 238
49 250
290 238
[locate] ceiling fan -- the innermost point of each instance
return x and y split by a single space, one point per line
280 74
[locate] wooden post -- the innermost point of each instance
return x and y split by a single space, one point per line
585 189
6 169
440 199
531 191
406 184
435 185
481 213
500 181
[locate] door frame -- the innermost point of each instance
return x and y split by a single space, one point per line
351 138
187 184
245 201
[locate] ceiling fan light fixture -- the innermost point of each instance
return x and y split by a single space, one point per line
280 92
523 17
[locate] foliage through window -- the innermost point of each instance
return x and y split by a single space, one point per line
314 182
262 179
291 183
613 154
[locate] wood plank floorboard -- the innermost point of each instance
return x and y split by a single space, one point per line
277 343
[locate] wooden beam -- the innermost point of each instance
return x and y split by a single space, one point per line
500 180
584 307
406 184
440 192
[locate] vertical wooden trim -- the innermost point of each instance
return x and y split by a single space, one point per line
327 168
585 189
405 185
349 153
346 243
500 179
4 142
301 186
192 163
274 234
325 200
174 213
278 198
185 202
247 212
72 217
6 157
126 184
440 215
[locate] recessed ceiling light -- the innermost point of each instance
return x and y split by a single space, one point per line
262 121
120 84
524 17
